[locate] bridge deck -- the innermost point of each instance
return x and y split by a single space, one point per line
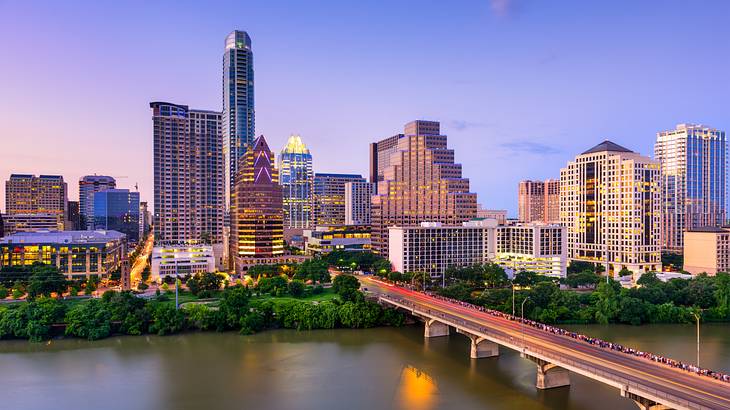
631 374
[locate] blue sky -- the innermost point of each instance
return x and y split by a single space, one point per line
519 86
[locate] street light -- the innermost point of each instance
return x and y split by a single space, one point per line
522 323
513 298
698 337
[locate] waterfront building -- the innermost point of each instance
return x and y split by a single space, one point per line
238 106
181 260
707 250
329 197
357 202
77 254
539 201
536 247
31 223
499 214
422 183
257 216
88 185
73 222
188 174
610 202
43 194
694 180
325 239
118 210
297 182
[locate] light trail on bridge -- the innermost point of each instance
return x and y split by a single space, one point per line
681 388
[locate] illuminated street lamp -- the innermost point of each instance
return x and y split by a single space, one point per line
697 317
522 323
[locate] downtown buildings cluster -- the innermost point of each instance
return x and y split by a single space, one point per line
223 198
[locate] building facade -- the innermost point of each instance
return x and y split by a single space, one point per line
73 223
88 185
44 194
539 201
329 197
238 105
357 202
610 202
76 254
31 223
422 183
188 174
325 239
257 217
707 250
694 180
535 247
297 182
181 260
499 214
118 210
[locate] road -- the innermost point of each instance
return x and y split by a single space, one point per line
621 368
135 275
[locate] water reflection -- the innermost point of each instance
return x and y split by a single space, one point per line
417 390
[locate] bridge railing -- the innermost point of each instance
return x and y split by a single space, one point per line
626 384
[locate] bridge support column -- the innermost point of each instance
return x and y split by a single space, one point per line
644 403
480 347
550 376
433 328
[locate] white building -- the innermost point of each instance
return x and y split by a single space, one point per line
325 239
357 202
610 202
181 260
433 248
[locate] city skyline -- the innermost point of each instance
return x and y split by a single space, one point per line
481 132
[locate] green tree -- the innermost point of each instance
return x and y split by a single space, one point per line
584 278
166 319
296 288
526 279
234 305
625 272
90 320
632 311
722 293
45 281
3 292
316 270
273 285
494 276
607 305
208 281
347 287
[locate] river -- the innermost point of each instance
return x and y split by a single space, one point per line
384 368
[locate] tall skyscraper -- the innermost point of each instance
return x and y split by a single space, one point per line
238 105
297 181
329 197
694 180
44 194
257 215
188 173
117 210
380 154
87 186
539 201
421 184
357 203
610 202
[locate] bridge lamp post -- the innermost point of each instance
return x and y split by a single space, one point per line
522 323
697 317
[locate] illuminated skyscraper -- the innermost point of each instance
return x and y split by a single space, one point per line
88 185
694 180
257 216
329 197
238 105
358 196
539 201
420 184
118 210
31 195
610 202
297 181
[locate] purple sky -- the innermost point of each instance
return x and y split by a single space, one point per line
520 87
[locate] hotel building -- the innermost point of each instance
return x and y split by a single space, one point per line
610 202
29 194
181 260
88 185
257 216
539 201
297 182
329 197
357 202
188 174
422 183
707 250
694 180
77 254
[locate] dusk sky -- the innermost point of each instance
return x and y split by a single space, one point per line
520 87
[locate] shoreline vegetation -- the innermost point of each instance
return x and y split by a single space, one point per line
302 296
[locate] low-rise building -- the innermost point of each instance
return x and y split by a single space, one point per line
325 239
181 260
433 248
31 223
76 254
499 214
707 250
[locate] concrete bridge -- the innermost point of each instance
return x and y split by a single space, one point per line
649 384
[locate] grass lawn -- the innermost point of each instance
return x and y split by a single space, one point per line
327 294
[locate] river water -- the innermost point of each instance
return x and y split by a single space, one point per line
384 368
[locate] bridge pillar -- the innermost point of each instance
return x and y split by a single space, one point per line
550 376
644 403
480 347
434 328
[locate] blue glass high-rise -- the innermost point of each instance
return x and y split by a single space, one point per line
118 210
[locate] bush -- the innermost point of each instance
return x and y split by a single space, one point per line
3 292
296 288
166 319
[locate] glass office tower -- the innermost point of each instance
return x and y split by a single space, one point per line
297 180
118 210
